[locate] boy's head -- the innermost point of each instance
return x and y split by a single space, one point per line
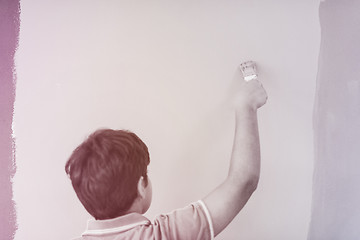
109 173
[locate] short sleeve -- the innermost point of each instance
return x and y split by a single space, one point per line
192 222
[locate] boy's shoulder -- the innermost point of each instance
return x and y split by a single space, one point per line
191 222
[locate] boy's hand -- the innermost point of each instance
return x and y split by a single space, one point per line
250 96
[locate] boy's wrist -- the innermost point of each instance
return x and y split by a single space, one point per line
245 109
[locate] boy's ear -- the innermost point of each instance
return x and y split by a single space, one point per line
141 187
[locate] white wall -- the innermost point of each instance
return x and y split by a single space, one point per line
165 70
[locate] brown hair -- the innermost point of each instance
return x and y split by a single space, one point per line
105 169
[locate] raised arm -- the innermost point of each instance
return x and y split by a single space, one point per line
225 202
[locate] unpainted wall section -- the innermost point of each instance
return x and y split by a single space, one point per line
165 70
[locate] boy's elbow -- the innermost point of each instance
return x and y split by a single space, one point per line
246 184
252 183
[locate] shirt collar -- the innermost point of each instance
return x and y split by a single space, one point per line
115 225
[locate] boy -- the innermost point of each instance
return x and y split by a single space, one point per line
109 175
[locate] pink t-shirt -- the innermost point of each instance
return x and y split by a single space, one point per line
192 222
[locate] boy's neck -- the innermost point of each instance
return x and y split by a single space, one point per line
136 207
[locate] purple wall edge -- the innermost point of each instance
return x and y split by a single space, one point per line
335 211
9 29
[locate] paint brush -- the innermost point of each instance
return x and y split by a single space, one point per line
248 70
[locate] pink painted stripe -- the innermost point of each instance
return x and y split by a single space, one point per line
9 32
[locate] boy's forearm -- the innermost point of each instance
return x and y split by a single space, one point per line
243 175
245 158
